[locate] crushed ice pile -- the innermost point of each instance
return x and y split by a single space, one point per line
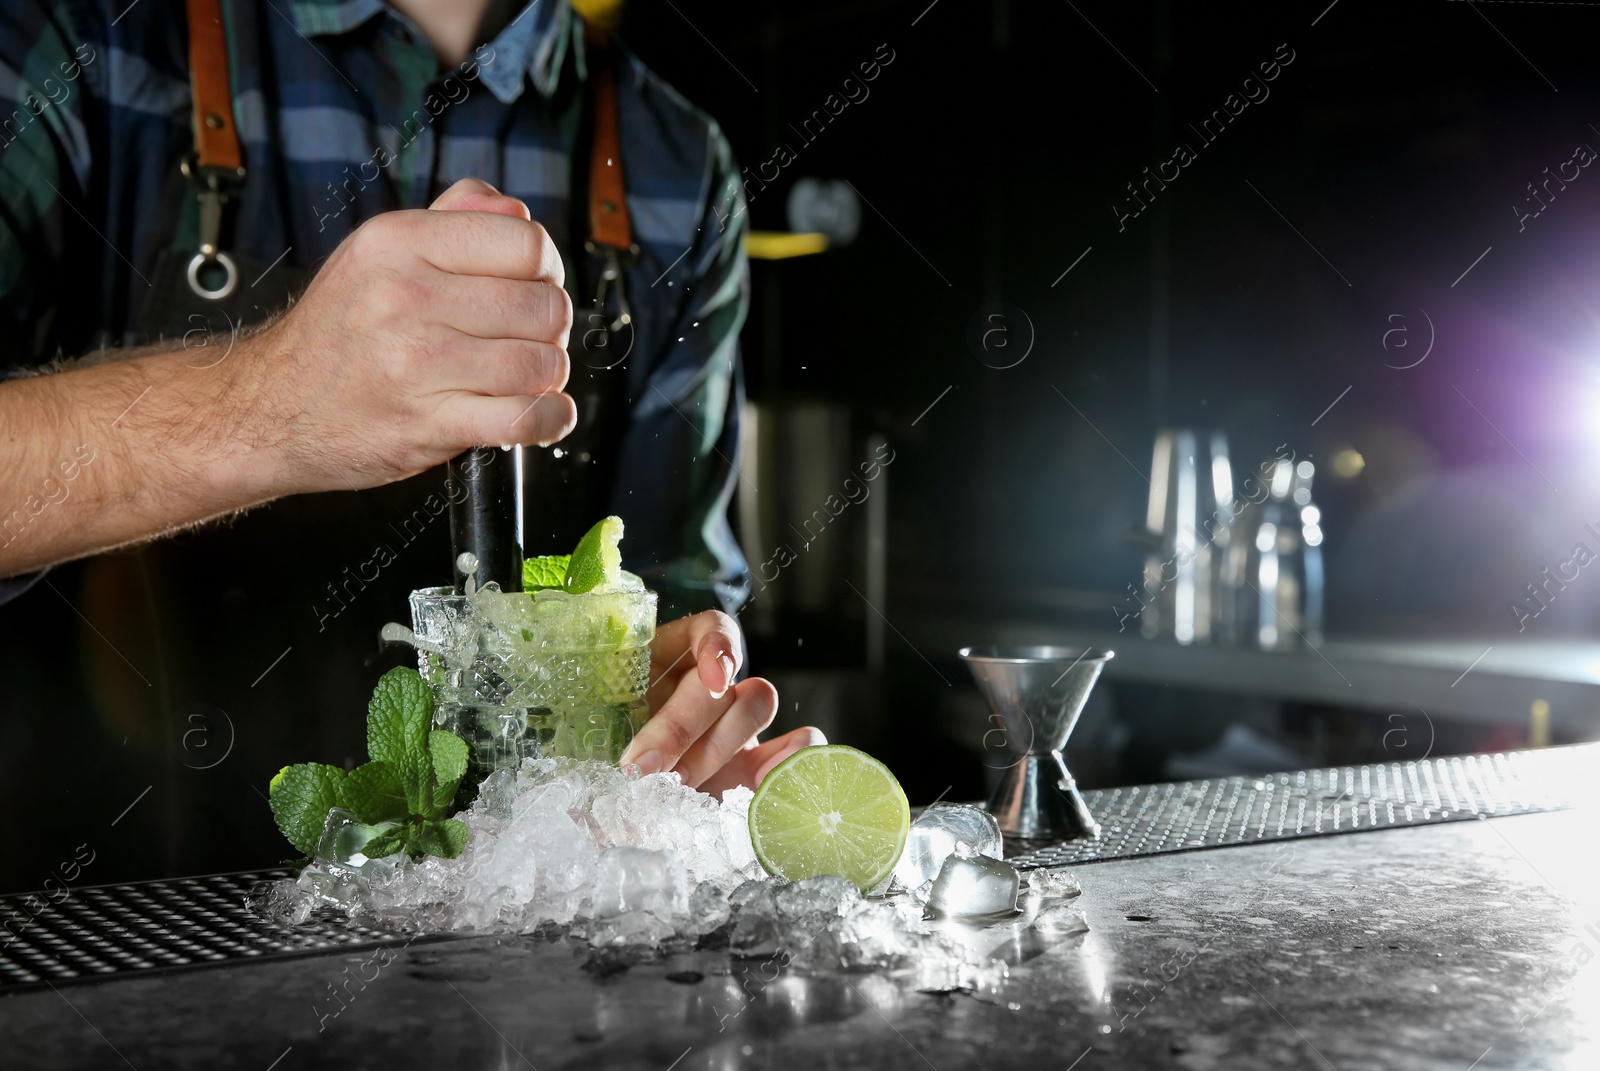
624 861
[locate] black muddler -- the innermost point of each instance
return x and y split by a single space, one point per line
486 520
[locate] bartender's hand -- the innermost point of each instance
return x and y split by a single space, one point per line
426 332
703 724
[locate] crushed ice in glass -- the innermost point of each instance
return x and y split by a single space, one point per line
941 831
624 861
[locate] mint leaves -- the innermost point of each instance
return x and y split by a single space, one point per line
301 796
411 781
546 572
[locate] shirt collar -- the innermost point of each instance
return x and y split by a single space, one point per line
533 45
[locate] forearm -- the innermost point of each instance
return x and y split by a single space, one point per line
118 452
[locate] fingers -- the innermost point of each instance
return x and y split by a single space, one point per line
753 764
486 243
472 420
476 195
503 367
755 704
463 243
707 642
503 308
676 724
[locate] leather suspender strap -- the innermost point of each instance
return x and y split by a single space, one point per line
609 224
216 166
216 142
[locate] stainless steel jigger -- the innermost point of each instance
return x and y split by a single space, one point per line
1036 694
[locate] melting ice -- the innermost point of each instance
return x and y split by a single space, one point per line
625 861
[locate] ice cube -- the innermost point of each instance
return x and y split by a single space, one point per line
817 899
280 903
973 888
755 912
753 935
708 909
1053 884
640 897
638 879
940 832
1061 920
343 838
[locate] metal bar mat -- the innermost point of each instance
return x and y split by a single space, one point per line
121 930
118 930
1188 815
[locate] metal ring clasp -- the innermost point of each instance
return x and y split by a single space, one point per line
230 281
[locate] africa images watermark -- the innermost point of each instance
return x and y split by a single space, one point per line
57 93
411 527
1541 593
1219 521
52 491
811 127
1582 157
1211 127
854 491
455 91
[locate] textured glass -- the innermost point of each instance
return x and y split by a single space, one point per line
518 676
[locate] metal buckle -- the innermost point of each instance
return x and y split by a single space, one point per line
611 276
214 184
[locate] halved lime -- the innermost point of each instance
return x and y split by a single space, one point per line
596 561
830 810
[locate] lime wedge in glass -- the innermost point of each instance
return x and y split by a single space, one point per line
830 810
596 562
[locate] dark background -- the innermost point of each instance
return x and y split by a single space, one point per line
1256 289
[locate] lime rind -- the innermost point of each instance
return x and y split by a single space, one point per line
596 560
831 809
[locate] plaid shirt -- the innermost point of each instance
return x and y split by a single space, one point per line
342 114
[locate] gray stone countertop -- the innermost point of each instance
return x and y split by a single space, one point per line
1443 948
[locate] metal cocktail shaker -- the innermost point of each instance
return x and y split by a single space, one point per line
1273 572
1186 533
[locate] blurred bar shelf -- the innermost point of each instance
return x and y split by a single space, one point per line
1474 680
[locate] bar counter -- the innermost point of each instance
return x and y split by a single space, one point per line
1465 944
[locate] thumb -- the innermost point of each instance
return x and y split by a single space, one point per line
475 195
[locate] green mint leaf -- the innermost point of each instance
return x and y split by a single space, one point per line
444 799
546 572
417 784
445 839
375 794
449 754
386 843
399 718
301 796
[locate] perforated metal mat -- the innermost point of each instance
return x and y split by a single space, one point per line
79 935
117 930
1188 815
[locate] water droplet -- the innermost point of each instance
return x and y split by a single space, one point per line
394 632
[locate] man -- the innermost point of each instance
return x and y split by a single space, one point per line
423 332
